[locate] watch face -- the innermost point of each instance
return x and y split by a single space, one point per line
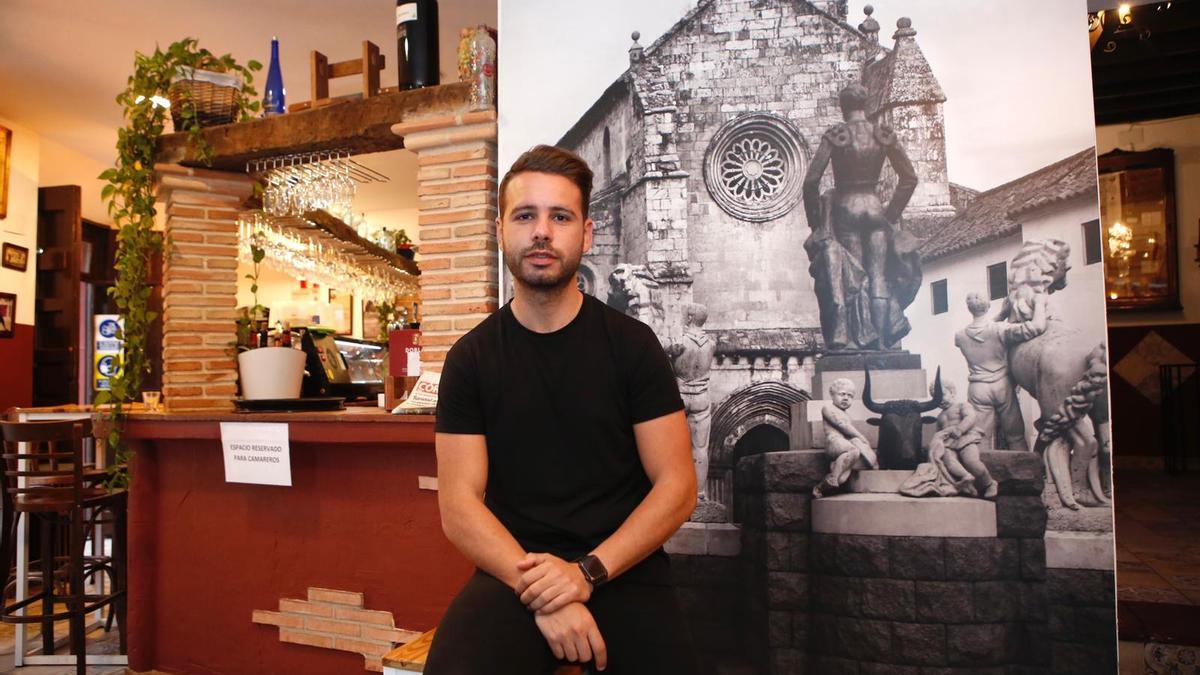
593 569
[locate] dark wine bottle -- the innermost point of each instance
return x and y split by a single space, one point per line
417 43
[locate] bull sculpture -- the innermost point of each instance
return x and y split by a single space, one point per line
900 425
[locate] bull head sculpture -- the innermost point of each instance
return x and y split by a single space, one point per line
900 423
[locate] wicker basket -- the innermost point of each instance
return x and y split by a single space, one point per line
213 94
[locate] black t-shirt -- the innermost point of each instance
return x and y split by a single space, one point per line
558 411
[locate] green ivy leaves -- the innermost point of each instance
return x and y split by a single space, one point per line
130 193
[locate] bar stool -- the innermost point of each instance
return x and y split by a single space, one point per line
47 480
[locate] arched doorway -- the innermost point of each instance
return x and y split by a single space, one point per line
752 420
760 439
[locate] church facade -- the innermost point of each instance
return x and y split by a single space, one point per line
700 149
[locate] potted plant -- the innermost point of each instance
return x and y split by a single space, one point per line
265 372
404 245
130 194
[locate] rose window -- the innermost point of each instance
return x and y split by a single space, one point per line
754 167
752 170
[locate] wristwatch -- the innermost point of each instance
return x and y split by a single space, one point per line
593 570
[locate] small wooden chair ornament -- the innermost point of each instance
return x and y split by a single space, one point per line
322 71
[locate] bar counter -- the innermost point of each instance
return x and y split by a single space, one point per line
204 554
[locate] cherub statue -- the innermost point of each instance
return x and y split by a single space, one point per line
954 448
846 446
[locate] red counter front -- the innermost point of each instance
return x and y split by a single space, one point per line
204 554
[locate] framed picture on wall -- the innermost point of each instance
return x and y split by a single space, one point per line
1137 214
8 314
15 257
5 163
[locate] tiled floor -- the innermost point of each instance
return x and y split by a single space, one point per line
99 642
1158 537
1158 572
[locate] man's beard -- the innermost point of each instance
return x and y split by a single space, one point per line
542 279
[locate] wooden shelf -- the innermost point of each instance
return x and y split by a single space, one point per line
358 125
349 241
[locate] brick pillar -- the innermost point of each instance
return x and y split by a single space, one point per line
457 219
200 285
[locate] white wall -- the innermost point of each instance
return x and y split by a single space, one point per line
1081 303
932 335
60 165
1181 134
395 219
281 291
20 227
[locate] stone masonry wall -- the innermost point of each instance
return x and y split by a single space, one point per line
710 592
773 496
876 604
200 285
605 212
922 130
457 216
736 58
1082 621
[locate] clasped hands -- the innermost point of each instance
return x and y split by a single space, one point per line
555 591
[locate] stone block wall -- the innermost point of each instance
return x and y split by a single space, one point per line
773 499
605 212
710 592
836 603
200 285
922 130
1082 621
737 58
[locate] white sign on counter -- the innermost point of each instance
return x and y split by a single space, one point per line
424 395
257 453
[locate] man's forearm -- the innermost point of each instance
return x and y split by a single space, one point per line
478 534
667 506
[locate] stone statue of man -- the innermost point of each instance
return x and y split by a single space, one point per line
692 358
990 389
866 270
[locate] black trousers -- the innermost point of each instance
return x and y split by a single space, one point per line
487 631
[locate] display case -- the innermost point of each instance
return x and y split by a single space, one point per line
342 366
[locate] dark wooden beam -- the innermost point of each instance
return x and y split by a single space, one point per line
1122 75
360 126
1148 109
344 232
1164 88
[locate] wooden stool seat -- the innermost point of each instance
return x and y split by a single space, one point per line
45 477
410 657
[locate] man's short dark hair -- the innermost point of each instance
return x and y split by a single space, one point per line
556 161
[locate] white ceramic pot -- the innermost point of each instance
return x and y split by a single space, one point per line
271 372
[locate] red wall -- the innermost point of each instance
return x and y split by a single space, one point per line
1136 420
16 364
204 554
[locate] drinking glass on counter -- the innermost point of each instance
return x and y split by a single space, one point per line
151 399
